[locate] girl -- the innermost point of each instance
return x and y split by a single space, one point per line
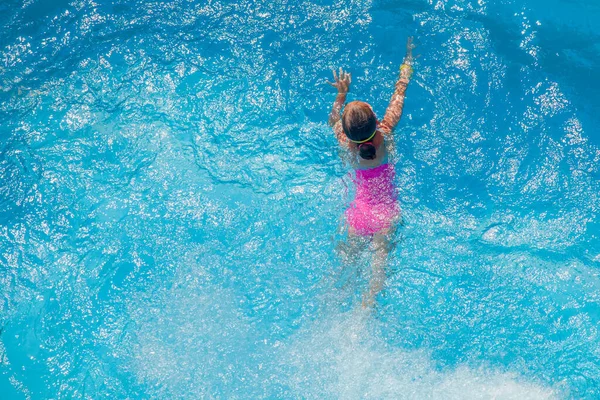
375 210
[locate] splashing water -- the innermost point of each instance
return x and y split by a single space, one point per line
171 197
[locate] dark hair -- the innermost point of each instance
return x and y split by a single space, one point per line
367 150
359 123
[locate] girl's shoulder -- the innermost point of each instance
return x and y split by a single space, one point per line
385 129
340 135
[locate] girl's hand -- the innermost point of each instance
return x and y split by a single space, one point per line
342 82
406 69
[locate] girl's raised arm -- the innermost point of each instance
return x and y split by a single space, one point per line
394 110
342 84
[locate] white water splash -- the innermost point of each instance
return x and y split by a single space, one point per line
343 358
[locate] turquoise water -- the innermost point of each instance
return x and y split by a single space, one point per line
170 199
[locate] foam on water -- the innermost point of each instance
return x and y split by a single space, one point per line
191 342
171 194
343 357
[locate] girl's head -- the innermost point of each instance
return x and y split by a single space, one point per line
360 125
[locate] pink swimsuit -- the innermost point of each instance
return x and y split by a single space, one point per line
375 206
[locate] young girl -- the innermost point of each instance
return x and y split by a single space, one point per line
375 210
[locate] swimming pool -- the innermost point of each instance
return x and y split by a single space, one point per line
171 196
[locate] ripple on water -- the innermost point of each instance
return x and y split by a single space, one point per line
171 193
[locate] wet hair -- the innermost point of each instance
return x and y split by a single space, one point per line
359 122
367 150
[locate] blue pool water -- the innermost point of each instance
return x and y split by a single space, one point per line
170 198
